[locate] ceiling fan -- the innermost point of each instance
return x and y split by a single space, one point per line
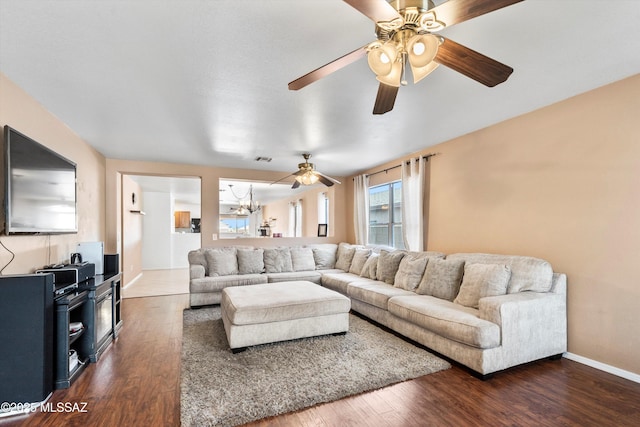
405 37
307 175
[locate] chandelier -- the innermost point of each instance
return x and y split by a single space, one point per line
244 206
407 39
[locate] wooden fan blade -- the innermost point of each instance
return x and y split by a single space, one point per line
376 10
325 180
295 185
472 64
281 179
385 99
456 11
322 176
327 69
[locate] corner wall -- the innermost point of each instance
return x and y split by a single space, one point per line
561 183
23 113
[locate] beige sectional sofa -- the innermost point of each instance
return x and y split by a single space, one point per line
213 269
487 312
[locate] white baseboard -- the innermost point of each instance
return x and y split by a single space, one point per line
132 281
603 367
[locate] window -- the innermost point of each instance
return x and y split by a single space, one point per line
385 215
234 224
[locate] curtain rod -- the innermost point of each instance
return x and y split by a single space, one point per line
425 157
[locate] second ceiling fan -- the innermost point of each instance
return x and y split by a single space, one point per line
405 37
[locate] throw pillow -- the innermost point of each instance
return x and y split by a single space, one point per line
222 261
302 259
359 259
370 267
410 272
277 260
388 264
324 256
442 278
482 280
345 256
250 261
197 256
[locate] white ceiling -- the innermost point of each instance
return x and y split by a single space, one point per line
205 82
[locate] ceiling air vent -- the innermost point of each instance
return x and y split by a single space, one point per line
263 159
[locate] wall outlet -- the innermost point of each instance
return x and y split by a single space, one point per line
214 236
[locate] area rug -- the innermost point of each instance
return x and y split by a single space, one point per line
219 388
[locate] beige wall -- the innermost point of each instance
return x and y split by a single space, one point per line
23 113
131 254
561 183
280 210
117 233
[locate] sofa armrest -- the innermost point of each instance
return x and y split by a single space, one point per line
196 271
531 321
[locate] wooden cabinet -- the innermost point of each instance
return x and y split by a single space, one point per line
182 219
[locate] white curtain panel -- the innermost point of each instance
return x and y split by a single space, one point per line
413 184
299 218
361 209
291 228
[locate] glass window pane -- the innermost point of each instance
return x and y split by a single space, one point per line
379 234
398 241
385 215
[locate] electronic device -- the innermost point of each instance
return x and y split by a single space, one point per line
70 273
27 336
40 188
92 252
111 263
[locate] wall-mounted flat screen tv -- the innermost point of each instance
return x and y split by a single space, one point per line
40 188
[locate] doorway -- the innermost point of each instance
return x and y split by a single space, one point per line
160 225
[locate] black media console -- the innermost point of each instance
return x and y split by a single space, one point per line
95 304
48 335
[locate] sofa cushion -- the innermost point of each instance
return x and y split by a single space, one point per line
345 256
277 260
324 255
359 259
527 273
375 292
388 264
447 319
218 283
410 271
442 278
302 259
340 281
221 261
370 267
288 276
250 261
482 280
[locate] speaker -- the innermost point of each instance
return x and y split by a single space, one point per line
111 263
26 316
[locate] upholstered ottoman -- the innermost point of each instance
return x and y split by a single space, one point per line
260 314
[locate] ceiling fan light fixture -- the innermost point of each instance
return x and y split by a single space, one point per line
308 178
420 73
381 57
394 78
422 49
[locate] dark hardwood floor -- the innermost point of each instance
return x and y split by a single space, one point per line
137 383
